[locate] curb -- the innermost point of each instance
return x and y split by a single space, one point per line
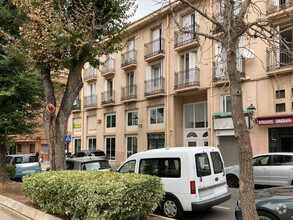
24 210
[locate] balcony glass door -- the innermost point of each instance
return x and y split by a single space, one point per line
156 40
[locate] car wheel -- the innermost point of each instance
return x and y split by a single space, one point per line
171 208
232 180
263 215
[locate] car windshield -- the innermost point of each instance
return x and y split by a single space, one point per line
97 165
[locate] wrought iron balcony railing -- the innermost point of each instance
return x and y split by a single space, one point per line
108 66
153 86
278 57
154 47
128 57
108 97
128 92
90 101
76 104
220 69
90 72
274 6
186 38
186 78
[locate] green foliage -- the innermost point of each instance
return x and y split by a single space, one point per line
94 195
11 171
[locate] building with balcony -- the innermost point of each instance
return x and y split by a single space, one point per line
169 89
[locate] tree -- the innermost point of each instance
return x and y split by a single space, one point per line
64 35
21 92
226 22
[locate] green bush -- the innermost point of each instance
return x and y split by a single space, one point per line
11 171
94 195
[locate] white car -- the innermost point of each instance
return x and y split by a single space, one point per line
193 177
274 169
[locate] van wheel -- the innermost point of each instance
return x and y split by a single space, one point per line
263 215
171 208
232 180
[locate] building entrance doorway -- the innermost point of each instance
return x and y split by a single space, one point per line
281 139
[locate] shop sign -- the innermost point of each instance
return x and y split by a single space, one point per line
275 121
76 125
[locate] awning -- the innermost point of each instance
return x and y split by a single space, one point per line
275 120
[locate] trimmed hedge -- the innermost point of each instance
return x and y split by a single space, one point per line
11 171
94 195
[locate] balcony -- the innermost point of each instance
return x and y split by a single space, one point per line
279 9
279 60
154 50
187 79
128 93
220 71
108 69
154 87
185 41
90 101
108 98
128 59
90 74
76 105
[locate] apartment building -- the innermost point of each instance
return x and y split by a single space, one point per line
168 89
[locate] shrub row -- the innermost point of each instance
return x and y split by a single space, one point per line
94 195
11 171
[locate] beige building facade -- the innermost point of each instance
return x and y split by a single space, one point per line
168 89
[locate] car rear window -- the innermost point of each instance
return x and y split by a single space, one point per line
161 167
99 153
202 165
17 160
217 162
32 159
97 165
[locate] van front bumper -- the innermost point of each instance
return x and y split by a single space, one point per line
196 206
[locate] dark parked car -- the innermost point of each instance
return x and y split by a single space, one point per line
88 163
24 164
87 153
272 204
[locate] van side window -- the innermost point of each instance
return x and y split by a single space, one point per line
161 167
202 165
128 167
217 162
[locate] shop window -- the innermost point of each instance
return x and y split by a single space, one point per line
280 94
280 107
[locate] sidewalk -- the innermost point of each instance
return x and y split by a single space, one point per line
45 165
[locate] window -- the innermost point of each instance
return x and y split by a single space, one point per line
128 167
161 167
195 115
217 162
77 145
226 103
280 94
132 118
131 142
92 143
111 121
261 160
202 165
156 141
110 147
280 107
32 148
157 115
19 147
282 160
69 165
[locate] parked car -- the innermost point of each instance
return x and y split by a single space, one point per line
274 169
193 177
88 163
87 153
272 204
24 164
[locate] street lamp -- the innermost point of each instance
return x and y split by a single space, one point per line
251 110
135 120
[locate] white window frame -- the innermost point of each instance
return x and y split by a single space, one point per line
88 143
133 124
194 122
223 100
156 120
109 154
106 120
132 151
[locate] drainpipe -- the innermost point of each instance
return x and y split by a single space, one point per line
167 84
212 87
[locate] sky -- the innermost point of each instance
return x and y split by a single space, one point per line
145 7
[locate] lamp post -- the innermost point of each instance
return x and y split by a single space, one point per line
251 110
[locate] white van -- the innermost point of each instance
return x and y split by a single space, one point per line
193 177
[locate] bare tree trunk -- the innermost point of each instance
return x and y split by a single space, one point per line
3 172
246 188
55 122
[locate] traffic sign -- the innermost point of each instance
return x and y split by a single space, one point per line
68 138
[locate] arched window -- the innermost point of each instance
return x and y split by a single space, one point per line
191 134
205 134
